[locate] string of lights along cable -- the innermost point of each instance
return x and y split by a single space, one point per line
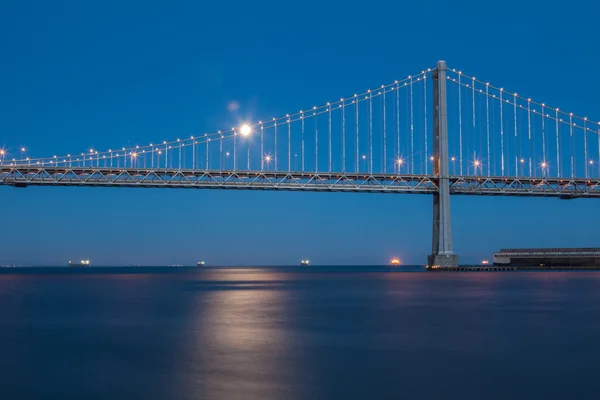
509 135
386 130
365 132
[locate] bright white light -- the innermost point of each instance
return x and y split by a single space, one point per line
245 130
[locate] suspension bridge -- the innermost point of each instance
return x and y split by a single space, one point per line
438 132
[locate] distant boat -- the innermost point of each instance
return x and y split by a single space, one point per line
304 263
82 263
201 263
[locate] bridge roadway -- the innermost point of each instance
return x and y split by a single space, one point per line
23 176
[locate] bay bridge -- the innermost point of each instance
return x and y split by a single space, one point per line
438 132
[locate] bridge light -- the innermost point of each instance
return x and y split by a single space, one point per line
245 130
522 161
453 158
431 158
2 152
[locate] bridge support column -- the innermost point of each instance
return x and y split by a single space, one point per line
442 255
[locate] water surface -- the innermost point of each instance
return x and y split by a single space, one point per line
158 333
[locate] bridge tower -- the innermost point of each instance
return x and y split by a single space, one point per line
442 255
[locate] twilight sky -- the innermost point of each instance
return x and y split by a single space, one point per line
98 74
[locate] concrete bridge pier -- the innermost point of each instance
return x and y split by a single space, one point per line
442 255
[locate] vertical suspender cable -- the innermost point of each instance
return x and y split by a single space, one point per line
384 135
557 147
412 131
356 133
302 118
425 121
487 119
370 132
316 143
515 139
571 134
234 148
460 147
585 146
473 132
398 119
529 133
329 111
543 135
501 134
343 136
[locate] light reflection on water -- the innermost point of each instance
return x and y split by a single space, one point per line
316 334
241 340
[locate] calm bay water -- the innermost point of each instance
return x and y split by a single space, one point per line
159 333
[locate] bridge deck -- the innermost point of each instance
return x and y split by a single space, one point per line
295 180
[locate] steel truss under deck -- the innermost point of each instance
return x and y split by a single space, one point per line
301 181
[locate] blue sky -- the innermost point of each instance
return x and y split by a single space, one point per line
76 75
